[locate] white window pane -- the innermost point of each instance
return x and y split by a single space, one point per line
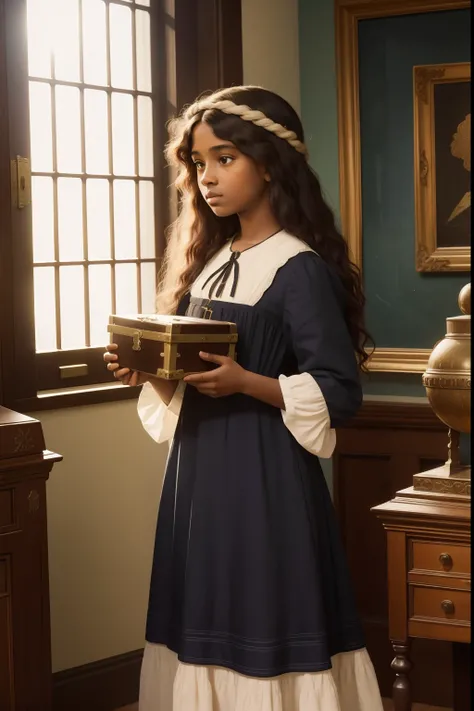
145 137
148 277
96 132
147 220
94 42
126 301
41 132
98 219
71 294
45 309
121 64
142 22
125 219
71 244
65 31
123 134
145 3
39 38
100 300
42 218
68 129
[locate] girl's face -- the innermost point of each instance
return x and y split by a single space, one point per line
229 181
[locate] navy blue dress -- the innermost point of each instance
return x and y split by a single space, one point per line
249 572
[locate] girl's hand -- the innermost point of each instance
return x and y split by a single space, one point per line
125 375
228 379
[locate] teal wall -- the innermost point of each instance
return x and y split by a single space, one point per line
318 92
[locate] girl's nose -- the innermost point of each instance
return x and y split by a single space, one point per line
208 178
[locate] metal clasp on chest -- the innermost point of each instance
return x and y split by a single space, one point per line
137 341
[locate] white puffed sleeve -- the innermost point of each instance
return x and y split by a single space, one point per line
158 419
306 414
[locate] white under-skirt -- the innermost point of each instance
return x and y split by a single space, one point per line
169 685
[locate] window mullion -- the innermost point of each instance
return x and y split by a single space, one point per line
137 167
85 241
57 290
111 160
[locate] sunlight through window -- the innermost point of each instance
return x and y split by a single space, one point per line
93 173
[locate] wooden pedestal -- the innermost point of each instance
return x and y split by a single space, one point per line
25 648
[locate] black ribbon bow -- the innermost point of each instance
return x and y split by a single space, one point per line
222 276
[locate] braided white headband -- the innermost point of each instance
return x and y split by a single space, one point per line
256 117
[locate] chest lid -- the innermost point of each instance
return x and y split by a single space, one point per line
173 329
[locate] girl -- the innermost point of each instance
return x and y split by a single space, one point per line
250 605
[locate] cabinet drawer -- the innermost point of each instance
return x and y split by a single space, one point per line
440 557
447 605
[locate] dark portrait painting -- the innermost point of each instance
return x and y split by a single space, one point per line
452 114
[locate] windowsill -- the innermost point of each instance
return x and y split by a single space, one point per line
79 389
77 396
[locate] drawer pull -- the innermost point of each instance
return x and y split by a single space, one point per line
448 606
446 560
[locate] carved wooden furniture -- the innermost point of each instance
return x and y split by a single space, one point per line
25 654
429 581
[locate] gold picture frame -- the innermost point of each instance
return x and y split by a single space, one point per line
348 14
430 256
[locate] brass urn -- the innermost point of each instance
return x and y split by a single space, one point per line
447 381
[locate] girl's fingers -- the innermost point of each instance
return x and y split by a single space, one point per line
119 374
125 375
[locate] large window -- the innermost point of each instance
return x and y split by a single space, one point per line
91 135
86 88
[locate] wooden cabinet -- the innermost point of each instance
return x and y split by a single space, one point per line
429 583
25 649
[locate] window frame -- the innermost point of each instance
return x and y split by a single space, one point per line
206 54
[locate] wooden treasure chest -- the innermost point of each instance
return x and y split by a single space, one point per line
168 346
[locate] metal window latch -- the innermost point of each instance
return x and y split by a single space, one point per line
78 370
21 182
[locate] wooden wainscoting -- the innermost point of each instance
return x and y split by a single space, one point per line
105 685
376 455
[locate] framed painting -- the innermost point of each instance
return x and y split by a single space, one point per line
399 351
442 122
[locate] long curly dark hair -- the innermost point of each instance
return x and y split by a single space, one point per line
294 193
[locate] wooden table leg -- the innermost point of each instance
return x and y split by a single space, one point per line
461 677
401 665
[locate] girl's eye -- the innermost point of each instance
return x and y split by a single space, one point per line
198 164
226 160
